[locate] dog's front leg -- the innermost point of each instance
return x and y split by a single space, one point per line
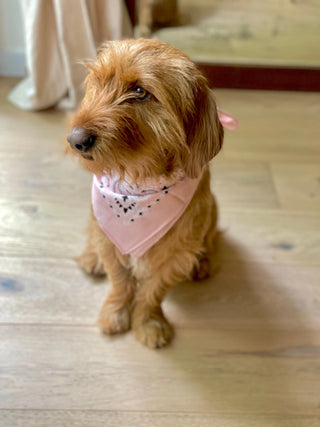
148 322
115 315
90 261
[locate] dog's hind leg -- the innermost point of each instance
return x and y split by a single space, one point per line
202 269
207 264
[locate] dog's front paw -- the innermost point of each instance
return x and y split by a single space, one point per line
91 263
114 321
154 332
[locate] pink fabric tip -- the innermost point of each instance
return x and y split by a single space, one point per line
227 121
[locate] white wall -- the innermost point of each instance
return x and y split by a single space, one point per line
12 44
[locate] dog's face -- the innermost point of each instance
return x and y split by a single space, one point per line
147 112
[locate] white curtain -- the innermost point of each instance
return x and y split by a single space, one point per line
59 34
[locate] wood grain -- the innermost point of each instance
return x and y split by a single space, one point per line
247 345
78 418
274 128
249 184
243 32
223 371
250 295
297 185
274 236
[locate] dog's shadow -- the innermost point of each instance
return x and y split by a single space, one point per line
234 336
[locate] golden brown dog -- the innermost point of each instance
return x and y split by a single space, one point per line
148 114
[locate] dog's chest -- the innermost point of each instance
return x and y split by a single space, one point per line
139 267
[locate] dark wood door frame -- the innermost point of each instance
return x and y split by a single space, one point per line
262 77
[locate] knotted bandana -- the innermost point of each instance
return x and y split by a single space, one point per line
135 218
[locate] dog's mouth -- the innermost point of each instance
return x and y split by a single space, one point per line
86 156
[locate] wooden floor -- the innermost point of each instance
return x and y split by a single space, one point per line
247 346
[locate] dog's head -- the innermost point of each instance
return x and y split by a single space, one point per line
147 112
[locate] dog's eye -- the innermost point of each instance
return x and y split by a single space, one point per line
140 93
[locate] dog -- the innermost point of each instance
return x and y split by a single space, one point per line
146 129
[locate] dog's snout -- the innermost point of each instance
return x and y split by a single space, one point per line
81 139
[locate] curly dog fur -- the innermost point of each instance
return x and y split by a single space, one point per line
151 113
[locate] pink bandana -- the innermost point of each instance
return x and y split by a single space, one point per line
135 219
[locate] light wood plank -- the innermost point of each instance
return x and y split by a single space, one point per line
25 132
42 228
273 236
57 230
48 177
203 371
48 291
251 296
274 126
243 295
31 418
242 184
242 31
297 185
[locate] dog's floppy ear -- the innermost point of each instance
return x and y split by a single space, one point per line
204 131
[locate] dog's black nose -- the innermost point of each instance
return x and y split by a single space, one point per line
81 139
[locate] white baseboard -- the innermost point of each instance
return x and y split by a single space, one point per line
12 63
